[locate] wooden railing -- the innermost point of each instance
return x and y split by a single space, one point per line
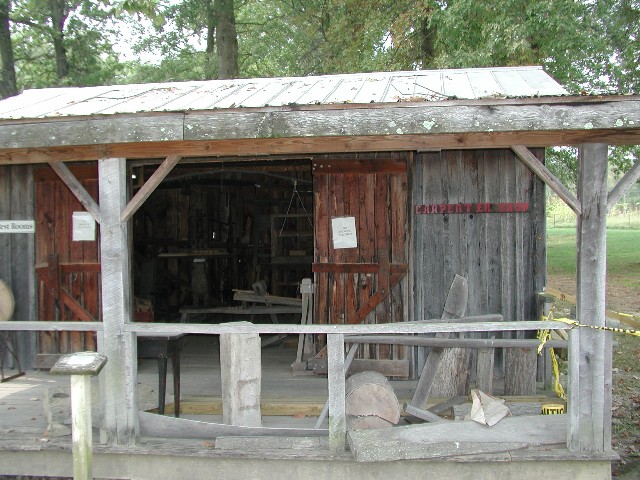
337 336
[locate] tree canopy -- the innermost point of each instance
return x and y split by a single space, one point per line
589 47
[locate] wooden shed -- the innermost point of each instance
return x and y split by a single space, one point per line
145 206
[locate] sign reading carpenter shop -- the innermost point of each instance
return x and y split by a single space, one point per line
17 226
479 207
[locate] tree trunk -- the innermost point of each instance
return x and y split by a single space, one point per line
226 39
428 39
8 88
212 21
58 19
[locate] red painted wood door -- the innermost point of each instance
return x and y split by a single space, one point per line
68 272
366 284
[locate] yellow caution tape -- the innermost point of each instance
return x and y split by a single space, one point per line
628 331
545 335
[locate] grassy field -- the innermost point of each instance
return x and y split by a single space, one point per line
623 254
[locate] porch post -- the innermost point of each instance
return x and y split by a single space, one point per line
589 402
336 381
120 374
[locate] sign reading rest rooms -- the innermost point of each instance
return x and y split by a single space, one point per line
17 226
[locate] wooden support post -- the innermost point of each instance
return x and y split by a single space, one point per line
81 366
121 405
241 375
81 429
589 402
304 339
337 392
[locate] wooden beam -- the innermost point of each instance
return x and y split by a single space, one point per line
423 414
453 342
455 307
149 186
541 170
590 376
624 184
287 122
209 151
333 166
119 345
252 297
151 329
152 425
72 304
77 189
452 439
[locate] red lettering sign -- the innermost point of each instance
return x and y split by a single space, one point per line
478 207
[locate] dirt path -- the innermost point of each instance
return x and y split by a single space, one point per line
619 298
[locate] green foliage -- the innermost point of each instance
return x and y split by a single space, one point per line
85 34
590 47
188 65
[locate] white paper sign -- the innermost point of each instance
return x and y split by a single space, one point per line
17 226
84 227
344 232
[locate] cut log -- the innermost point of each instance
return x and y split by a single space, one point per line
370 393
520 371
453 439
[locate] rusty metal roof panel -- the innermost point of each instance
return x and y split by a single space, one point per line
363 88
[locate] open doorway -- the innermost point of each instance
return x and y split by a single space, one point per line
211 229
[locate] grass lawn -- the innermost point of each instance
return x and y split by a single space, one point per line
623 255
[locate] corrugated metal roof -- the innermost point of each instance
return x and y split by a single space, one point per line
363 88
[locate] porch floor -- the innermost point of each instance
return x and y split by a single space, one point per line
294 400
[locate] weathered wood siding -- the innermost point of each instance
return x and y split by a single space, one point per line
17 253
367 284
62 265
502 254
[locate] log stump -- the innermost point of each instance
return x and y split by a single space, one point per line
370 402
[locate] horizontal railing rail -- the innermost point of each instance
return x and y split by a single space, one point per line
481 323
